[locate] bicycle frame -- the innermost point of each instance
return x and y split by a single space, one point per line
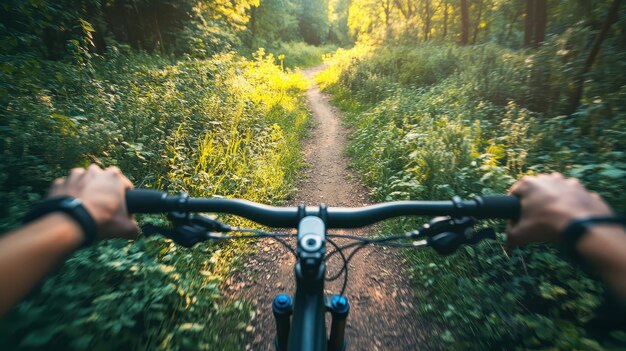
308 328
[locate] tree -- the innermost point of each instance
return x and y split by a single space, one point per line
464 23
579 84
338 12
479 18
541 21
407 9
272 20
445 18
426 15
528 23
387 6
314 24
535 22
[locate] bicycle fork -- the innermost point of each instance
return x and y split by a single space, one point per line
338 307
308 332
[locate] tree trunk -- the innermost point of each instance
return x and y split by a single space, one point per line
387 11
445 19
529 23
511 26
158 33
252 24
464 23
579 83
427 20
541 21
480 17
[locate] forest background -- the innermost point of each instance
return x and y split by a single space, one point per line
448 97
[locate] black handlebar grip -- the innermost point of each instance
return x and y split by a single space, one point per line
145 201
500 206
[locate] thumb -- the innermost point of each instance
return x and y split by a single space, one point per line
515 234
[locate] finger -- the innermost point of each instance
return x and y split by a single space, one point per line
573 181
94 167
75 174
113 170
126 182
131 229
93 170
56 187
515 235
515 186
522 186
556 175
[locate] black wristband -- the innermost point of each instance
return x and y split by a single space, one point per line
71 206
577 228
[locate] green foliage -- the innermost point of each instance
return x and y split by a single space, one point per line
223 126
413 21
149 294
435 121
315 22
271 22
299 54
314 25
338 19
166 26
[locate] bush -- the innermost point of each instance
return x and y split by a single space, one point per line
222 126
435 121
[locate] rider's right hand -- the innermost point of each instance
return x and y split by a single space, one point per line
549 204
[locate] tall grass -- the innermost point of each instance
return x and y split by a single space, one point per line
297 54
223 126
435 121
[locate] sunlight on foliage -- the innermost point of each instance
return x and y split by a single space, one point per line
435 121
224 126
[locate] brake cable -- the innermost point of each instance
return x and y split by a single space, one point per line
343 267
443 234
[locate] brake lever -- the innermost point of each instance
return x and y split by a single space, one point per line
188 219
445 234
440 225
189 229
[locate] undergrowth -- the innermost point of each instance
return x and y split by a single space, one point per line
297 54
223 126
435 121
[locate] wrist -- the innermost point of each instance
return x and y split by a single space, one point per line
604 249
599 238
64 234
73 209
580 228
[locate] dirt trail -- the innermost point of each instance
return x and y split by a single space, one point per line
382 302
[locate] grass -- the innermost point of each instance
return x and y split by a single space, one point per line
296 55
223 126
435 121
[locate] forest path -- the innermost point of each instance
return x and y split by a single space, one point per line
382 303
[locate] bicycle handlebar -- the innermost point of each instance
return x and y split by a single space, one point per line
492 206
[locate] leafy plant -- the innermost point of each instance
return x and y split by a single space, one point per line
221 126
435 121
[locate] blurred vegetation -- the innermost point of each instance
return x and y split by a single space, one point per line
176 111
434 119
446 97
295 54
222 126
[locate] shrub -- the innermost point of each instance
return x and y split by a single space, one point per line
221 126
435 121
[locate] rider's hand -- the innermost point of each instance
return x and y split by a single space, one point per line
103 195
549 203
